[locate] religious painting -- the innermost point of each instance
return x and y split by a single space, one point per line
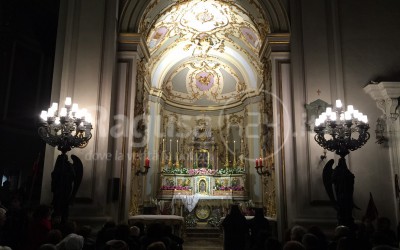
157 36
183 182
202 159
250 36
202 185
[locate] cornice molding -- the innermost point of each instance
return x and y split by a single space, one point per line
387 97
133 42
275 42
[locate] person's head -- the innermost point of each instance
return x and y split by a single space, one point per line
73 242
297 232
85 231
341 231
47 247
158 245
135 231
259 212
273 244
235 210
2 216
116 245
293 245
122 231
310 242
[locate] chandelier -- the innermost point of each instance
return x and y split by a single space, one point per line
66 128
336 129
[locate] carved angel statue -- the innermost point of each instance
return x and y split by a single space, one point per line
339 185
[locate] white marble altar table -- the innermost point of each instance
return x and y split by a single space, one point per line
190 201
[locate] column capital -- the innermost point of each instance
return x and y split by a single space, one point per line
387 97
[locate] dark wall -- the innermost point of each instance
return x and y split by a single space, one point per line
28 31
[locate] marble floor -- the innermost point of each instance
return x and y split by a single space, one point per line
203 244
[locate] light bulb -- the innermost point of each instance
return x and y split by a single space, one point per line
50 112
63 112
338 103
54 106
68 101
350 108
57 121
75 107
43 115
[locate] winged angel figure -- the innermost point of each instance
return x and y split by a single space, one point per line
65 181
339 184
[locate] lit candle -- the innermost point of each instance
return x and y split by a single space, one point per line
163 144
147 162
256 162
43 115
338 103
234 147
68 101
63 112
177 146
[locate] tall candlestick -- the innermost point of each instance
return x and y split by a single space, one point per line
170 155
234 153
177 146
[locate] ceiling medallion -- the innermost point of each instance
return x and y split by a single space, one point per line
205 16
204 80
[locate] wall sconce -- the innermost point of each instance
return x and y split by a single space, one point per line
262 170
146 168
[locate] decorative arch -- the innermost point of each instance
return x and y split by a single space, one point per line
131 11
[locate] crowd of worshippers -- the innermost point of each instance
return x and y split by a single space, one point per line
256 234
41 229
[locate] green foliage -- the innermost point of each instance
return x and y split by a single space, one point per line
229 171
175 171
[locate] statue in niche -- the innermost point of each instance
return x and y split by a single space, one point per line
202 186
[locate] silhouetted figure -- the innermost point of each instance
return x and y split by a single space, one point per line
65 181
322 240
257 225
235 229
106 233
384 235
273 244
158 245
293 245
310 242
39 227
177 241
155 232
343 182
297 232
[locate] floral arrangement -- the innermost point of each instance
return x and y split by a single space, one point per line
176 188
229 171
227 188
174 171
201 171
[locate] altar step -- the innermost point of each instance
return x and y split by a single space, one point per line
203 231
